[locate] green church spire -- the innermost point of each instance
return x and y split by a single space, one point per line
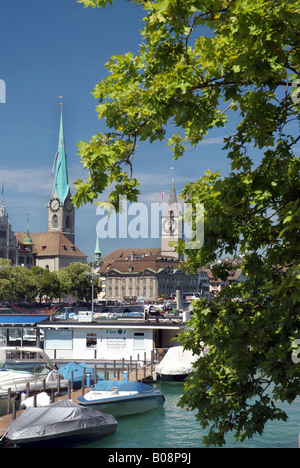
97 251
27 238
61 183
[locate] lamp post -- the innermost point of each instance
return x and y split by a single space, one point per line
92 275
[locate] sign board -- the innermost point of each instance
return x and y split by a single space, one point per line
85 316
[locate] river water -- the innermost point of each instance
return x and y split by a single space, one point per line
175 427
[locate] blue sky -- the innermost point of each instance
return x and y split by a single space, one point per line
57 47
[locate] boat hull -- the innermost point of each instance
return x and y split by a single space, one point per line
173 377
125 406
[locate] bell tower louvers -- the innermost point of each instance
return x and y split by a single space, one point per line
61 212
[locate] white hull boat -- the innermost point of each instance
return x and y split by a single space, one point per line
122 397
43 374
176 365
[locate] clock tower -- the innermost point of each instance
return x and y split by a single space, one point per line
171 226
61 211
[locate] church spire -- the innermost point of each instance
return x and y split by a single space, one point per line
97 251
61 182
172 225
27 238
61 211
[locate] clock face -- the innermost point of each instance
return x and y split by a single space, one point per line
170 227
68 206
54 204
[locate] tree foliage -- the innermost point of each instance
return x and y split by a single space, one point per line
19 283
204 64
75 280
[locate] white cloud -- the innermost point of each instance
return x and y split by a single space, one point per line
26 180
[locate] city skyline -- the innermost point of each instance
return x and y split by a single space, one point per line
52 49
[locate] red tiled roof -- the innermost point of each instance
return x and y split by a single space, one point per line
51 244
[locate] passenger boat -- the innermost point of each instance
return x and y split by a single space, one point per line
59 424
122 397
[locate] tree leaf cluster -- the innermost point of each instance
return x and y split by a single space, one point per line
228 64
18 283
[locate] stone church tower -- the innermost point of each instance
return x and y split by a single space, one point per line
8 241
171 226
61 212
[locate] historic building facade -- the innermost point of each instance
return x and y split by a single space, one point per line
8 241
149 273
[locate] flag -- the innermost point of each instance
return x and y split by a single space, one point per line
54 163
162 194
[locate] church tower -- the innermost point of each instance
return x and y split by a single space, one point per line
171 226
61 212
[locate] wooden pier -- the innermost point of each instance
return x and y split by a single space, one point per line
138 374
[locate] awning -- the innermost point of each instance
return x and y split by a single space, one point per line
21 320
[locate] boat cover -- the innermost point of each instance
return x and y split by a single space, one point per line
58 419
177 361
78 371
122 386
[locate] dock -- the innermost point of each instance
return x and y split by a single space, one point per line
144 374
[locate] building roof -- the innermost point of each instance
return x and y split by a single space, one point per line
21 319
117 324
61 182
137 260
51 244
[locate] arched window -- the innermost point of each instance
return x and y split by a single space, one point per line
55 221
67 222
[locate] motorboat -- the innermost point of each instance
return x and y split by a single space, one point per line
59 424
176 365
17 373
122 397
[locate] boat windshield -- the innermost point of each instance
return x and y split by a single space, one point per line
22 361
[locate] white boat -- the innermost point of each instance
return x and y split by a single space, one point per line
16 374
176 365
59 424
122 397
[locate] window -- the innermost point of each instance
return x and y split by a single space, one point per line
91 340
55 221
139 340
58 339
